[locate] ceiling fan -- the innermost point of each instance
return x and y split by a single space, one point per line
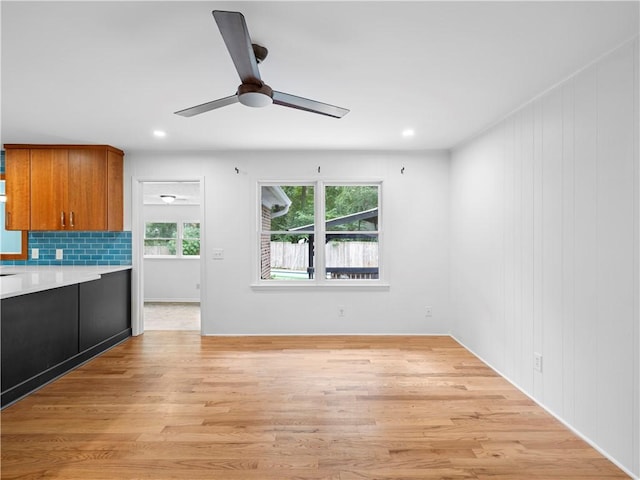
253 92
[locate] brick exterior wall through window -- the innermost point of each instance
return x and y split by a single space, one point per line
265 245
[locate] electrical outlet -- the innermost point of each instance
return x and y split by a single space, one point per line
35 253
197 286
537 362
218 254
58 254
428 311
341 310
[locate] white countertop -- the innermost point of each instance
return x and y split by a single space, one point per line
20 280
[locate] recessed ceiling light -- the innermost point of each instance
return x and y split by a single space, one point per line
408 132
159 133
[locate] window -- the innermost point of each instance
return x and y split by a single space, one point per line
296 219
172 239
351 237
191 239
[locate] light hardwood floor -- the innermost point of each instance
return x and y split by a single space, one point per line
177 405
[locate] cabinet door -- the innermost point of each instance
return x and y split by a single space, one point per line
18 188
105 308
49 173
87 189
39 331
115 183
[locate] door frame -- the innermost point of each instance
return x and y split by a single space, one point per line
137 247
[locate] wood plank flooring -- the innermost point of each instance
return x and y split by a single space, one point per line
176 405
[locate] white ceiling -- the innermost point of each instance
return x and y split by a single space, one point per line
112 72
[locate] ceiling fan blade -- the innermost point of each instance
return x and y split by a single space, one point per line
205 107
236 37
300 103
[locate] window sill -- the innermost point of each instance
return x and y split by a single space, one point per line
334 285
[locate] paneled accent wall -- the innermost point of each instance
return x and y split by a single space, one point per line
545 248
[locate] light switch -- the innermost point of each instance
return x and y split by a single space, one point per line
218 254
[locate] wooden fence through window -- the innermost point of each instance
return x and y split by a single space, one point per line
295 256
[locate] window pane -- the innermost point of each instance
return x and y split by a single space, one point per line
190 247
191 239
160 238
351 208
350 256
159 246
287 208
191 230
286 257
161 230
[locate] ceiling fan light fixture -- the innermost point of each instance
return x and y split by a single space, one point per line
168 198
253 92
255 99
256 96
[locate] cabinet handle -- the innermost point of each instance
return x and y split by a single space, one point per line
71 219
7 220
62 219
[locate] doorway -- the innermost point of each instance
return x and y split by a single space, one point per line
168 253
172 315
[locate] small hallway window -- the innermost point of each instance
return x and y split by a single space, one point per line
172 239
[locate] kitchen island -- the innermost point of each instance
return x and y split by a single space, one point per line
54 318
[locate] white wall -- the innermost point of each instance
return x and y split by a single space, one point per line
171 279
544 254
416 228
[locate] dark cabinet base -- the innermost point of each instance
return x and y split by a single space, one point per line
39 331
105 307
49 333
32 384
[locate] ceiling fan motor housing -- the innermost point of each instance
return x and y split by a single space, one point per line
255 95
259 52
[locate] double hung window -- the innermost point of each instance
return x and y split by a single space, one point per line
172 239
319 232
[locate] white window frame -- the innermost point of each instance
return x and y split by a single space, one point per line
179 239
320 280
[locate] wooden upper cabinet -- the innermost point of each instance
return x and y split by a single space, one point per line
18 189
75 187
48 191
87 190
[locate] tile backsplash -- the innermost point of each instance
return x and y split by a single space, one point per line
78 248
